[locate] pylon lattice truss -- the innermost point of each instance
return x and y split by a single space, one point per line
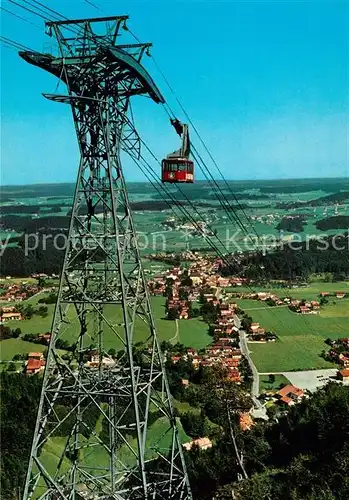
103 408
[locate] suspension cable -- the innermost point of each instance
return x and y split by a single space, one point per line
20 17
94 5
14 44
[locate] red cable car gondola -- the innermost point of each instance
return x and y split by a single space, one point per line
177 167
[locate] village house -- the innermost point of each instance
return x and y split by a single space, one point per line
183 313
94 361
254 327
45 337
225 340
290 395
223 282
185 382
343 359
304 310
10 316
192 352
262 296
227 314
343 375
238 281
236 354
340 295
209 297
206 362
245 421
202 443
196 278
231 363
35 363
196 361
8 309
234 376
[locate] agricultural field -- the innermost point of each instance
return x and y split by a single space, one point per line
293 353
266 385
264 203
10 347
309 292
192 333
332 322
301 337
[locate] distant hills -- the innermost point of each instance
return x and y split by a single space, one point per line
330 199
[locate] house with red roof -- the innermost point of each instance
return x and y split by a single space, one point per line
290 395
35 363
343 375
245 421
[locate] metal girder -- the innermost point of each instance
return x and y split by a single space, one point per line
94 410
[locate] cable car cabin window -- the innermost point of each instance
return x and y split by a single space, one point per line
177 170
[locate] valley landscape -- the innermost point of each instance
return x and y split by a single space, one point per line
169 330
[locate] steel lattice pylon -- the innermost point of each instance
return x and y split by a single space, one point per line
94 414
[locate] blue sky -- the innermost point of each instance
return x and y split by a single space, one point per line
266 84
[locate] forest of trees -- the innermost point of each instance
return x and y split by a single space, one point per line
294 224
335 222
330 199
30 209
302 456
46 258
296 260
28 225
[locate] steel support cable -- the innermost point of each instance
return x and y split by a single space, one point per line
27 9
199 136
38 12
16 45
39 9
175 202
93 5
222 200
181 192
229 208
50 10
171 114
194 128
77 32
186 213
40 15
167 108
241 225
20 17
25 1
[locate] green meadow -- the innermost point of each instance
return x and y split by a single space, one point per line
192 333
265 385
301 337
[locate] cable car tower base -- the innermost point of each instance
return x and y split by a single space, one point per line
96 409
